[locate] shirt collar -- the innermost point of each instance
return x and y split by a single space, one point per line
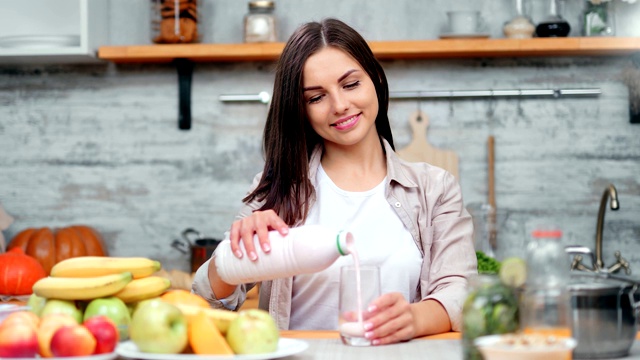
394 166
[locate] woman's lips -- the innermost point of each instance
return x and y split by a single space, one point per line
347 123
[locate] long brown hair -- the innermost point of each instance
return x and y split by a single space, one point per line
288 137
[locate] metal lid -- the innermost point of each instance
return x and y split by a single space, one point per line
261 4
591 284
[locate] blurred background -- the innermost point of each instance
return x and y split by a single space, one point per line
98 144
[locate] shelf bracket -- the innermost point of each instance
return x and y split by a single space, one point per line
185 74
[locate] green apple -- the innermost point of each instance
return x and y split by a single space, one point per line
159 327
36 304
113 308
57 306
253 332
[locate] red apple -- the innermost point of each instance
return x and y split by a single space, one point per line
105 331
73 340
49 324
18 340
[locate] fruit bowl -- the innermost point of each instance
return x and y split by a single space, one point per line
525 347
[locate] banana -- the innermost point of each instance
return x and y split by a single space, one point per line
67 288
90 266
142 289
222 318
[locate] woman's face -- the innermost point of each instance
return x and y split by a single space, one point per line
340 98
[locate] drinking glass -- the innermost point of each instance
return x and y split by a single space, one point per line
357 290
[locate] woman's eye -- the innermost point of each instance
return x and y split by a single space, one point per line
352 85
314 99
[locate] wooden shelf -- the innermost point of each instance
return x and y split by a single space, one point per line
384 50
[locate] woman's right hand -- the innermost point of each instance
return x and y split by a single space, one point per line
260 223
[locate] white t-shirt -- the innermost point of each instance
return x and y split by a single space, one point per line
380 238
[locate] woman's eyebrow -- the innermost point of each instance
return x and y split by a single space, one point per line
349 72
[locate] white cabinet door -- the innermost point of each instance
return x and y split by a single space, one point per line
52 31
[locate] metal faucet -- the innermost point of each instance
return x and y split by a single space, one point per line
597 264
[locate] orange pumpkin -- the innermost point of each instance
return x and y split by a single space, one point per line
18 272
50 246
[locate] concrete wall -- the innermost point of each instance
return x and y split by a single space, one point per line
99 144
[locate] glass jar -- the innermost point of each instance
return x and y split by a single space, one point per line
260 23
174 21
553 25
546 302
520 27
490 308
598 18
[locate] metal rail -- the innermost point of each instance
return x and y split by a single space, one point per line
264 97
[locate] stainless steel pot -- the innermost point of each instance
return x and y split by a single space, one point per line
605 315
200 248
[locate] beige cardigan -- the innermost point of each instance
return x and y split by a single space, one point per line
428 200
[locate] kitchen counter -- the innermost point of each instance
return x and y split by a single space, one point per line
327 345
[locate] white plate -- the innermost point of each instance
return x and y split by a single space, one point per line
6 309
5 298
39 41
108 356
464 36
286 347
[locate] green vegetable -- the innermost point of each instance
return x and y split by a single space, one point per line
487 264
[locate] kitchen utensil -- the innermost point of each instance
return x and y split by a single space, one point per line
605 315
493 235
419 150
200 248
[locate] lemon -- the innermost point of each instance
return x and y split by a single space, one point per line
513 271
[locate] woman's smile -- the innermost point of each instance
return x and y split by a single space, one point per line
347 123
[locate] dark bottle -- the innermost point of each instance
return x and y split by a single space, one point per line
553 25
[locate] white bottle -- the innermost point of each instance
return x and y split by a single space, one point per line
304 250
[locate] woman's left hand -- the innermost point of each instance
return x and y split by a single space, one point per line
390 320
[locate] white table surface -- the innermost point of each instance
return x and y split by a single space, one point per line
415 349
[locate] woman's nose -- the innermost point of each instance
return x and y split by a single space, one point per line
340 103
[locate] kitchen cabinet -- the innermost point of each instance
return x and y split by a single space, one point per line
45 31
384 50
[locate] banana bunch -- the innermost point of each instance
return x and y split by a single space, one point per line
91 277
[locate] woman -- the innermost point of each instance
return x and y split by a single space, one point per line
330 160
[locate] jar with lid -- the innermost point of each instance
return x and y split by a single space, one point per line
260 23
490 308
175 21
546 302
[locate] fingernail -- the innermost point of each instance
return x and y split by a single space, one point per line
368 334
368 326
239 253
266 247
375 342
372 308
285 230
253 256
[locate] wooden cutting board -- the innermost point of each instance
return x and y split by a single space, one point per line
419 149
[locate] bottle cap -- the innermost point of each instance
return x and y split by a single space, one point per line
344 242
555 234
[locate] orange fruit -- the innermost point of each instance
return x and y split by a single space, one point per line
183 297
